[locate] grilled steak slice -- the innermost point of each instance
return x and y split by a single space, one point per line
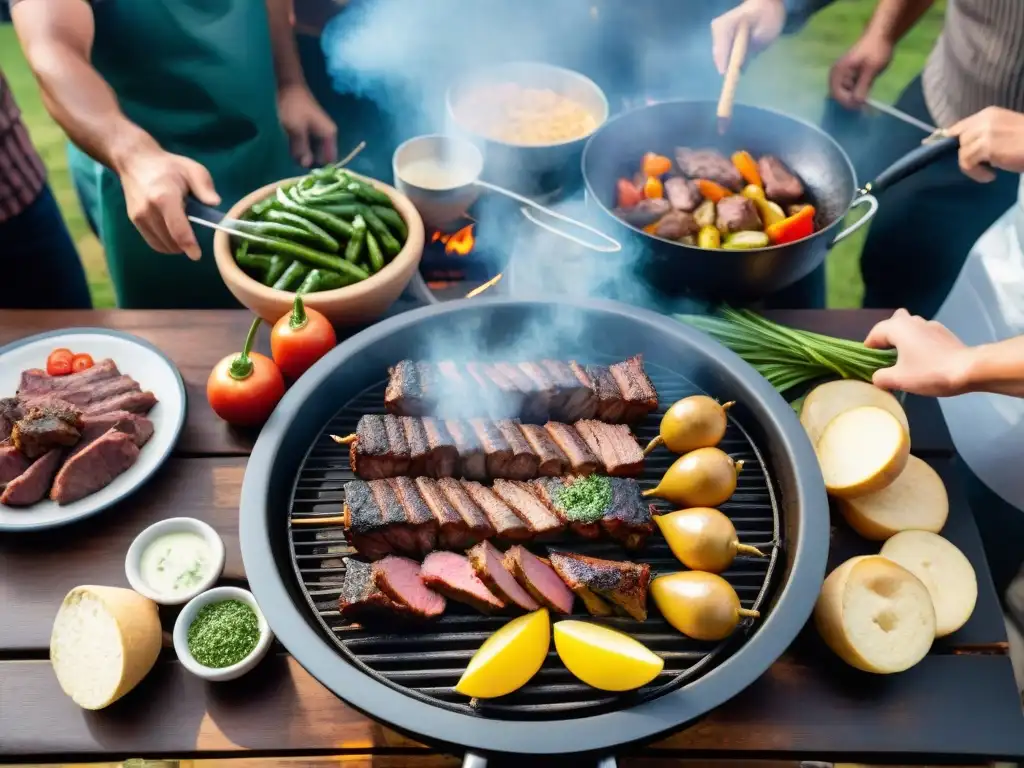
542 391
488 397
32 484
361 600
397 530
614 446
452 575
472 459
524 462
538 518
636 387
399 578
95 467
611 406
406 394
595 605
38 382
644 213
551 461
506 523
780 184
709 164
452 531
539 579
364 521
494 446
533 394
513 400
12 464
133 402
54 425
10 412
419 448
737 213
398 446
417 513
623 584
370 454
682 194
139 428
550 491
99 392
581 458
629 519
488 566
442 457
477 522
571 394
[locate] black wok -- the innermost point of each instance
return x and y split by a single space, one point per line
616 149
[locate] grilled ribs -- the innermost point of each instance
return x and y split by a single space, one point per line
414 517
392 446
534 391
622 584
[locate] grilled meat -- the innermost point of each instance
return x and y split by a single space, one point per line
506 523
539 579
637 389
364 521
12 464
682 193
551 462
93 427
133 402
611 406
581 458
361 600
97 392
675 225
416 439
623 584
494 446
478 524
31 485
400 579
629 518
370 454
524 462
10 412
614 446
644 213
451 575
453 532
472 462
531 510
549 490
94 467
43 427
37 382
535 391
488 566
443 458
709 164
780 184
417 513
737 213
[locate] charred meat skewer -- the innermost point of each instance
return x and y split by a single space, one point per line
622 584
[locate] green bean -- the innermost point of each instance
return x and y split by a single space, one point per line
393 219
322 237
366 191
333 198
252 261
330 281
276 229
326 220
292 277
318 259
326 173
376 257
354 249
311 283
278 264
380 229
344 210
326 189
264 205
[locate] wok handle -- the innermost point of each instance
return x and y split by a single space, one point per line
912 162
473 760
864 199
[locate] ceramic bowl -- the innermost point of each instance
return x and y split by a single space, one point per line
188 615
133 560
356 304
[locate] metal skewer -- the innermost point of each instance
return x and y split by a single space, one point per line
899 114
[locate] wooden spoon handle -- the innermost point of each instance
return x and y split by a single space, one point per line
732 74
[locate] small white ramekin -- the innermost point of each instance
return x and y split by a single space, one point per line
133 560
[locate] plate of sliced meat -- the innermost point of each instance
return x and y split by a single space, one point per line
86 417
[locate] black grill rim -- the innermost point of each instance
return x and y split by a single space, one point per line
308 406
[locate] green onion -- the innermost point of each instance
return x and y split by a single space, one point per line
787 357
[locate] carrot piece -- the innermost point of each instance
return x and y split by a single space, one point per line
711 190
653 188
796 227
747 167
655 165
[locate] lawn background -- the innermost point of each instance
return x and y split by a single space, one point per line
796 67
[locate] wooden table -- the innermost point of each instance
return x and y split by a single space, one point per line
960 703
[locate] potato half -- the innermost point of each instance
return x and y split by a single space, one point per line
861 451
828 400
916 500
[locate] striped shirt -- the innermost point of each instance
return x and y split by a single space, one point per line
22 175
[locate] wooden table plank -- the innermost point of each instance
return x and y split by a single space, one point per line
803 707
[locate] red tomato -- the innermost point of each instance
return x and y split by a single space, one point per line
300 338
81 362
59 362
629 194
244 389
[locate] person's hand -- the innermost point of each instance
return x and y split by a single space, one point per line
932 360
851 78
312 134
993 136
766 19
155 184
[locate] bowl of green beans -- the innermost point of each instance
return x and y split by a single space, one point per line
349 244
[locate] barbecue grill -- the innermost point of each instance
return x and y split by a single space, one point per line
406 678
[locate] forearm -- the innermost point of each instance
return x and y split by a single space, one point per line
997 368
892 19
282 40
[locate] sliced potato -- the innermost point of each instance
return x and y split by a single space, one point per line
875 615
945 572
861 451
916 501
828 400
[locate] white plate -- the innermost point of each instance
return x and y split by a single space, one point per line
134 357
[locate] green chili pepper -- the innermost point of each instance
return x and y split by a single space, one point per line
391 217
376 257
278 264
292 277
379 228
354 249
311 283
326 220
322 237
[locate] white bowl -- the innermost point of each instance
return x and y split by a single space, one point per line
133 559
188 615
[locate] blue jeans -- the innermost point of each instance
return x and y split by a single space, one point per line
39 265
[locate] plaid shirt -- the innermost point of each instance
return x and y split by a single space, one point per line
22 174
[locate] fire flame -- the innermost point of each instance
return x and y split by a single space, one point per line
458 243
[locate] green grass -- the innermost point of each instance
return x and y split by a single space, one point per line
797 67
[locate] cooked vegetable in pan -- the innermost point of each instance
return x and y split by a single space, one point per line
330 229
706 199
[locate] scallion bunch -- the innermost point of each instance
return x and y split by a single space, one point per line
788 357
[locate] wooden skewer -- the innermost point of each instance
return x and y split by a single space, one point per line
339 520
732 75
346 440
351 155
481 288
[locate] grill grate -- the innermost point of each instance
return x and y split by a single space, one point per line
426 662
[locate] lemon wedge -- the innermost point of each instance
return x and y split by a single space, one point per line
508 658
605 658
